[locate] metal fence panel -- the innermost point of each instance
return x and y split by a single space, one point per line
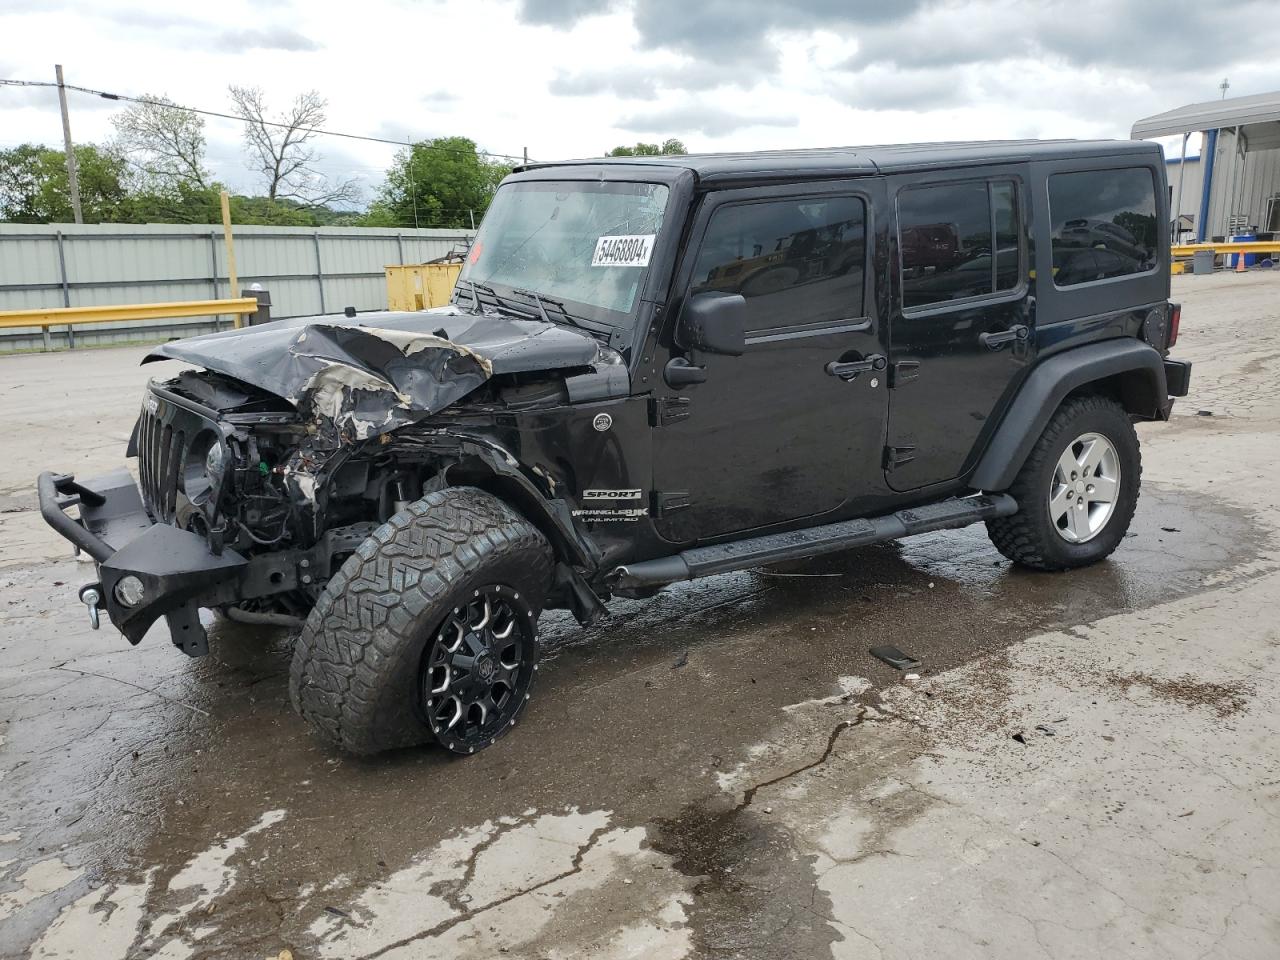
309 270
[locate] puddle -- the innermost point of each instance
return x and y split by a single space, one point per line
646 715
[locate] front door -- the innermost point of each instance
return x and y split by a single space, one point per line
777 434
962 322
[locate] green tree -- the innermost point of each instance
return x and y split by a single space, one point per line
437 183
34 186
176 202
164 143
670 147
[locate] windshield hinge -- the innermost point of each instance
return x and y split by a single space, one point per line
904 371
898 456
664 504
664 410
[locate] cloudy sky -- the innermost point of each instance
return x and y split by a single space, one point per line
568 78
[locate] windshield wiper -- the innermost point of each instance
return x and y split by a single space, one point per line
497 301
579 322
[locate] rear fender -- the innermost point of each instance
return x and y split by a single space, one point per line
1131 371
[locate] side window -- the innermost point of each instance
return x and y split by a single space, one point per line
796 261
957 241
1004 213
1109 212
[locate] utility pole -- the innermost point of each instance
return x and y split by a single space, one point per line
1224 86
526 156
73 175
413 190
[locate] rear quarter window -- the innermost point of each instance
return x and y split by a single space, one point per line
1104 224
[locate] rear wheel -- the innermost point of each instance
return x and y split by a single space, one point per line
1077 491
429 630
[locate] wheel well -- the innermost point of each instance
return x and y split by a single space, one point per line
520 497
1127 370
1135 390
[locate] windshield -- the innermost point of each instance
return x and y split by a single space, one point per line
586 243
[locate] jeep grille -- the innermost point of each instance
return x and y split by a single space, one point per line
161 450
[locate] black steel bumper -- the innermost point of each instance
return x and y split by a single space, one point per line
1177 374
177 570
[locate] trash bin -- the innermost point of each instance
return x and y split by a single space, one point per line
1202 262
1249 258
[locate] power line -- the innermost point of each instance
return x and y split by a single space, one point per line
148 101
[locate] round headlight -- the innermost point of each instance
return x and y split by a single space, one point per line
206 460
213 461
129 590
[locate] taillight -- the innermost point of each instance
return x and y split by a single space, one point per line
1175 317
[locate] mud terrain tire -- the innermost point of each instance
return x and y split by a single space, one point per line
357 667
1030 537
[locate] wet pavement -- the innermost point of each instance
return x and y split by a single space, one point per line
722 770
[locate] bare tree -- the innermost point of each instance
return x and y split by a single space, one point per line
163 142
279 148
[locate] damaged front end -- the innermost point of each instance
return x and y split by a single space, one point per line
260 473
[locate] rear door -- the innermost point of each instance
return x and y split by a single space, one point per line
773 436
961 332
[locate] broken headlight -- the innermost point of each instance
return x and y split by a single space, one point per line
206 464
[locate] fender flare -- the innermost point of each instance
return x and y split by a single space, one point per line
487 465
1135 368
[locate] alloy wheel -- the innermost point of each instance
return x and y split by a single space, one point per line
1084 488
477 673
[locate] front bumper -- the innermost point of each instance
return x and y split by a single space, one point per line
178 571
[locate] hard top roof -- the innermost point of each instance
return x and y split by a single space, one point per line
855 161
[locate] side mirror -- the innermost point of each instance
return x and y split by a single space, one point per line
714 323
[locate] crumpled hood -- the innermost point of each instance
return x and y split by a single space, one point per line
375 371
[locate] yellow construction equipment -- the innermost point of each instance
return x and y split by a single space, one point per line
417 286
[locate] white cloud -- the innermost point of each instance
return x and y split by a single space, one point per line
575 77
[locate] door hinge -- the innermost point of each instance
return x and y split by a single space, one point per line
664 410
665 504
898 456
904 371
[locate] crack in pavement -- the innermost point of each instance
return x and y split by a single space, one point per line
750 793
446 925
155 693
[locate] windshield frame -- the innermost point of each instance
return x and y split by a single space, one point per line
679 182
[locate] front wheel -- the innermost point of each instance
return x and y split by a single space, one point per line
1077 491
428 632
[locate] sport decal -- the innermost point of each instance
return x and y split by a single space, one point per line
611 495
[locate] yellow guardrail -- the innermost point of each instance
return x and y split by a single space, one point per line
46 317
1187 250
1249 246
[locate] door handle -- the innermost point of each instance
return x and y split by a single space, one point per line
848 370
994 340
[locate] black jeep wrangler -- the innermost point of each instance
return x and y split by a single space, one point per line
652 369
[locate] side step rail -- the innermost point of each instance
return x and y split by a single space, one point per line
798 544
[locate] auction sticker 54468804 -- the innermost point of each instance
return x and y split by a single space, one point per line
628 251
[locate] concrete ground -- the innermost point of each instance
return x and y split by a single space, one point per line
1087 766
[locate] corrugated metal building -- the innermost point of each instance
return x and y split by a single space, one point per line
307 270
1239 183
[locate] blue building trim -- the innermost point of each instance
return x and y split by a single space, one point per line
1208 151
